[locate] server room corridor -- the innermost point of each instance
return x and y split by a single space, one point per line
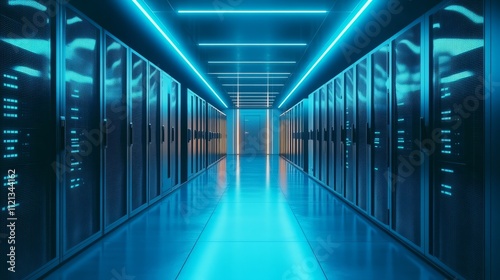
249 139
248 217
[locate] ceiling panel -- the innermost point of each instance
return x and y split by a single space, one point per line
309 29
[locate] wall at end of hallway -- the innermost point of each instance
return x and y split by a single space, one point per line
248 130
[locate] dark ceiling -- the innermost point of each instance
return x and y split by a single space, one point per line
273 69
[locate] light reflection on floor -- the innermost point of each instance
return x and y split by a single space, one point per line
248 218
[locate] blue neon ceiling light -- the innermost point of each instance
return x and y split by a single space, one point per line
250 73
157 26
351 22
251 62
236 77
215 11
252 44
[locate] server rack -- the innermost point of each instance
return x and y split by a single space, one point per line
350 137
27 137
424 173
92 159
80 122
154 134
115 140
363 132
323 133
457 194
331 152
408 130
138 130
339 135
381 122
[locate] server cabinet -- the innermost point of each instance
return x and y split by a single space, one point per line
190 110
300 134
349 137
363 131
165 163
457 182
317 135
380 157
173 132
407 173
331 134
203 134
154 133
323 134
339 134
80 125
196 130
27 117
138 132
115 132
310 136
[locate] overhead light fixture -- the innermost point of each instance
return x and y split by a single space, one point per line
250 73
176 48
252 97
335 41
252 85
248 92
216 11
252 62
252 44
275 77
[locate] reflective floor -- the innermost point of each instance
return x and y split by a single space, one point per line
248 218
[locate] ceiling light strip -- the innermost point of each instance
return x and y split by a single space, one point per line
162 32
250 73
216 11
278 77
252 44
252 85
252 62
344 30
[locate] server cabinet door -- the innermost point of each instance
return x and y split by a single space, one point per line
138 131
350 142
324 134
339 134
317 135
362 143
154 133
165 164
27 142
310 134
457 188
406 181
190 108
82 199
196 130
203 135
380 111
115 132
174 148
331 134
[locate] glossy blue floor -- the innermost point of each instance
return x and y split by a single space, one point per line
248 218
